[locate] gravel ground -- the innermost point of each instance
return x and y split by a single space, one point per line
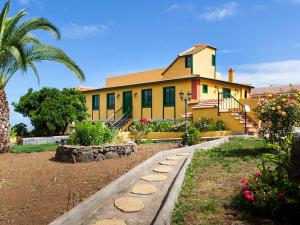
34 189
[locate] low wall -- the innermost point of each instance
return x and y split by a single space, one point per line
74 154
169 135
42 140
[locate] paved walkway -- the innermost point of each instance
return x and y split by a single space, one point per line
156 207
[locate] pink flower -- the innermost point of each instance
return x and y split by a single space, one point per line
258 173
250 197
246 192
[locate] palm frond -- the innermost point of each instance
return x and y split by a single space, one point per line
3 17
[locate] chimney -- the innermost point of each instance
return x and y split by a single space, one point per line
231 75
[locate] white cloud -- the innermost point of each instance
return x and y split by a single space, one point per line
23 2
219 13
259 8
227 51
173 8
75 31
265 74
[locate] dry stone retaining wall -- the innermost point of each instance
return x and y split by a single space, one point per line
74 154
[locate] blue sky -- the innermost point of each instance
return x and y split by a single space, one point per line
259 38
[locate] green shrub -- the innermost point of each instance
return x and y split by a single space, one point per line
20 129
89 133
193 138
220 125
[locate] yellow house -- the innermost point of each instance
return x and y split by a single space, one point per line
154 94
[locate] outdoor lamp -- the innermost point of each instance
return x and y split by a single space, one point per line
189 95
181 94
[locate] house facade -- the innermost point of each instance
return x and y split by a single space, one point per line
154 94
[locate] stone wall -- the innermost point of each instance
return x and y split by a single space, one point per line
74 154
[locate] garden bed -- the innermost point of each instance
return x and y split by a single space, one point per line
213 181
35 189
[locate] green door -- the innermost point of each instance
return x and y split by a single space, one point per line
127 102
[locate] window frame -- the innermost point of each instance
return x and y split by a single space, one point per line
246 94
224 95
205 90
110 106
94 105
149 105
188 60
213 60
169 103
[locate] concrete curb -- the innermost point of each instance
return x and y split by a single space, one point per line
80 213
164 217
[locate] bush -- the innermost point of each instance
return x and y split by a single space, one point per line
20 129
270 194
278 114
206 124
89 133
193 138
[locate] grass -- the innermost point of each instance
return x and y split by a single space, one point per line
33 148
213 179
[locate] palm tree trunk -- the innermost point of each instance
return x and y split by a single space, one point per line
4 123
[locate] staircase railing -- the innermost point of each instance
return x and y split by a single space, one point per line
121 121
227 102
117 114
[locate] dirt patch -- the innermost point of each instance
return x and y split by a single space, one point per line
34 189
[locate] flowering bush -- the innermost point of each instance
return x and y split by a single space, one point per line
270 194
278 115
207 124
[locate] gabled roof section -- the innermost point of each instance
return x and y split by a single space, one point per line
191 51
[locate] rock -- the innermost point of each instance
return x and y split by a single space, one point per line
110 155
99 157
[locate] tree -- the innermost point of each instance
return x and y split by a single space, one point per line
51 110
20 129
20 51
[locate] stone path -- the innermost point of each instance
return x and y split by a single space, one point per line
143 196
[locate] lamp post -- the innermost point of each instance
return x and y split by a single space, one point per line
186 99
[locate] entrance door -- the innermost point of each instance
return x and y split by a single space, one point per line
127 102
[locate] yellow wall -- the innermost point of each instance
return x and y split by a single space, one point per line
252 103
177 70
157 100
202 63
134 78
228 119
236 90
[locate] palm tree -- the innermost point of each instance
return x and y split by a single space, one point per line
20 50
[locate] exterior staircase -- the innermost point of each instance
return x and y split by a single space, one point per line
120 120
251 125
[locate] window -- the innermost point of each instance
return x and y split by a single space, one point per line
226 92
205 88
110 101
95 102
188 61
213 60
147 98
246 94
169 96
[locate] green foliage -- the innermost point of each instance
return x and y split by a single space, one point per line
33 148
88 133
20 50
20 129
279 114
51 110
193 137
206 124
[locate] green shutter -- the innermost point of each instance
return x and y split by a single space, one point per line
205 88
95 102
147 98
110 100
169 96
213 60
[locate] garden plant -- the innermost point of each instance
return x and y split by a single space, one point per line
272 191
21 50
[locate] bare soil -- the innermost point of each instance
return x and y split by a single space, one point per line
34 189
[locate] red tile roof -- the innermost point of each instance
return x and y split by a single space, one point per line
195 49
260 91
84 88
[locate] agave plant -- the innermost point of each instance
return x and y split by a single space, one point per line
20 50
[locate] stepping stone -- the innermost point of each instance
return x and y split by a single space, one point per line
129 204
143 189
162 169
154 178
111 221
168 163
184 154
174 157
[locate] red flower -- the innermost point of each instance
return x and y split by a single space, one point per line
258 173
281 195
250 197
246 192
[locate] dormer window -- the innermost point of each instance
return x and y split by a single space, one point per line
188 61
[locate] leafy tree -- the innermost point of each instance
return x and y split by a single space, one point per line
20 129
20 50
51 110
